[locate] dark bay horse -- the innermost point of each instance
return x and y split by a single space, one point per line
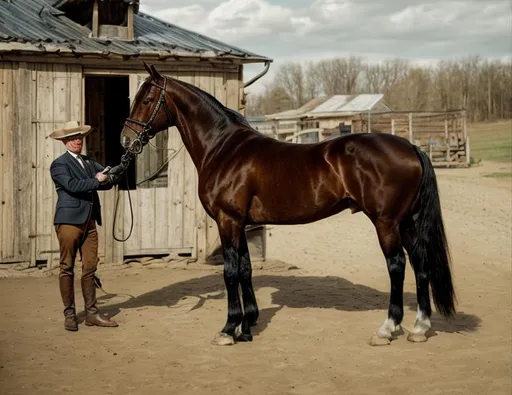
247 178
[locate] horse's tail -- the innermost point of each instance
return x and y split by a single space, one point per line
431 246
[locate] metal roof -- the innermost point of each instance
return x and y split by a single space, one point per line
36 26
60 3
294 113
348 103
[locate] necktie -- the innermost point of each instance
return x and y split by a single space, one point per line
81 161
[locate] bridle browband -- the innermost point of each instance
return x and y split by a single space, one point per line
142 135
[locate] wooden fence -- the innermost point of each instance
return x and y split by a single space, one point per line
442 135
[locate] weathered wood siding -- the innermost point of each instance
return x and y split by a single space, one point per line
9 246
38 98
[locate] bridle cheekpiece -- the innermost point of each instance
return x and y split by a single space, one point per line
142 136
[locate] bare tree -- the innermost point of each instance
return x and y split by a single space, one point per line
290 77
482 87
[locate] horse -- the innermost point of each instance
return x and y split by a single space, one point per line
246 178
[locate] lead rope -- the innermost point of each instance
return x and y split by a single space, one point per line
149 178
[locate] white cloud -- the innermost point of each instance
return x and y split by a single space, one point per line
312 30
186 17
246 18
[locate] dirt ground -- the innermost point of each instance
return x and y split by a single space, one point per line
322 293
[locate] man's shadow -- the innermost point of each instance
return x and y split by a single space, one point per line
291 291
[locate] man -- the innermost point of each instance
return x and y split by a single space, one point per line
77 179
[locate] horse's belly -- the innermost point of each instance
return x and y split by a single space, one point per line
293 211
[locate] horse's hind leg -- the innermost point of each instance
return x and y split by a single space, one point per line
249 299
389 239
422 324
229 231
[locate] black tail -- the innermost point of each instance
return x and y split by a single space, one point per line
431 245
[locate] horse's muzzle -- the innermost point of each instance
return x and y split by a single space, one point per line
131 142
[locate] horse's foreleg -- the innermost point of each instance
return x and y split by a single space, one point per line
389 239
249 299
229 231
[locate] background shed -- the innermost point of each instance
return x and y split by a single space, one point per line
82 60
442 134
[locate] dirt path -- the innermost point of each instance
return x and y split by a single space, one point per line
322 294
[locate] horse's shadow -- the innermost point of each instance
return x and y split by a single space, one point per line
291 291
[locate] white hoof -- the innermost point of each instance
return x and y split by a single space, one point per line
421 328
223 339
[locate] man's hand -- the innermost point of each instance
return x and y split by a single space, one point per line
101 177
115 174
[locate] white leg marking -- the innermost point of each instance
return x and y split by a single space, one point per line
387 329
385 333
422 324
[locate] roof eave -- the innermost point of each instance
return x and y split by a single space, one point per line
42 49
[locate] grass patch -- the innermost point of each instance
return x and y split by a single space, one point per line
499 175
491 141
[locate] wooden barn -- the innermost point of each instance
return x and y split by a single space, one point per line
81 60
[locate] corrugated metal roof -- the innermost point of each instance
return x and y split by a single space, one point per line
34 25
348 103
299 111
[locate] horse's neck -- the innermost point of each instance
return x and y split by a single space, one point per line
196 124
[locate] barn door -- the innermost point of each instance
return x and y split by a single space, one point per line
164 198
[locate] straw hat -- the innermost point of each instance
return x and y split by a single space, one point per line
69 129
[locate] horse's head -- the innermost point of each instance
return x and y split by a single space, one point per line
149 113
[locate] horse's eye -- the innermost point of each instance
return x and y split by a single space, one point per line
145 102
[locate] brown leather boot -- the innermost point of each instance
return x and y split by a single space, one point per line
67 293
92 316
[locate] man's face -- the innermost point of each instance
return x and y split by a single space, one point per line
74 144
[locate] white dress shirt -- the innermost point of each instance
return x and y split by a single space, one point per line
78 158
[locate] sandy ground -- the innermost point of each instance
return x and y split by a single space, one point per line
322 294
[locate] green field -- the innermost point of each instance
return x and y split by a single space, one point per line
491 141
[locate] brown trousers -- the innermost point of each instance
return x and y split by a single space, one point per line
70 237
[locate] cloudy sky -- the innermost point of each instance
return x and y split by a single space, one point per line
294 30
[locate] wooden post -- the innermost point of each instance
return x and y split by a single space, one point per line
95 19
447 140
464 124
468 159
410 128
393 127
129 23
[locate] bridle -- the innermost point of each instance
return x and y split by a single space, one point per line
141 139
142 136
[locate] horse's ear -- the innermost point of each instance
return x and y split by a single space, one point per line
155 73
148 69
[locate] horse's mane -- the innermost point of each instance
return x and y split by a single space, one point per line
215 104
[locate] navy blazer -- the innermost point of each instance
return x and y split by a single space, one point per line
76 190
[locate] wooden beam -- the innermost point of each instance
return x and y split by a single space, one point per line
129 23
95 19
